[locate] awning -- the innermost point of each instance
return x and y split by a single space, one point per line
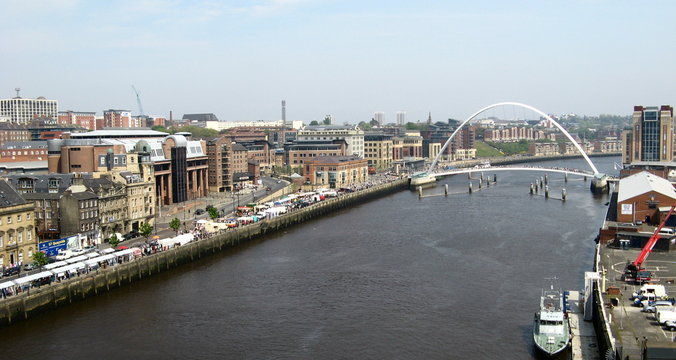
29 278
55 265
70 267
124 252
6 284
96 260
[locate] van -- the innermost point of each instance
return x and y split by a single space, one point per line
658 290
664 315
666 231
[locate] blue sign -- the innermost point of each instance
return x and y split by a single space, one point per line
52 247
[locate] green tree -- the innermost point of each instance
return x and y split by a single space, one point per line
196 131
213 213
373 122
160 128
314 123
40 259
113 240
364 126
327 120
146 230
175 224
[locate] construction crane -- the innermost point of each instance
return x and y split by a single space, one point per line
635 271
138 101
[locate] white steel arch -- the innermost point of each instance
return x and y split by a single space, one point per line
579 148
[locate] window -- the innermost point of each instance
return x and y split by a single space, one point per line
9 219
1 238
29 235
20 236
28 216
18 218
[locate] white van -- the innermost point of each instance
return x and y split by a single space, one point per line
666 231
664 315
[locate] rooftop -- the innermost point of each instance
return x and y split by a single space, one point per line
643 182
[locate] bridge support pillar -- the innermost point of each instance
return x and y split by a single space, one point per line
470 187
546 180
420 192
565 177
531 189
445 189
547 192
495 178
563 194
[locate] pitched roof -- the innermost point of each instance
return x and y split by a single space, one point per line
9 196
644 182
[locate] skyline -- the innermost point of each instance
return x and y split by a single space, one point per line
240 59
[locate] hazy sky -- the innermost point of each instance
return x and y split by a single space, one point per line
240 58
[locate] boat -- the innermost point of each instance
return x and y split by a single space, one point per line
551 331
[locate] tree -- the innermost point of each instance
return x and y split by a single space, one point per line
364 126
196 131
146 230
113 240
327 120
373 122
40 259
160 128
175 224
213 213
314 123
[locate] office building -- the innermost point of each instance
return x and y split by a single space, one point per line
651 137
22 111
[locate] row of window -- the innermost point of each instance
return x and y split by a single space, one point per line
13 153
18 218
12 239
88 203
89 214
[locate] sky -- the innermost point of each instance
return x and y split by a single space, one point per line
238 59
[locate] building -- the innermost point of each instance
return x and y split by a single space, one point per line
139 197
112 205
23 151
116 119
301 151
336 171
544 149
642 197
228 164
608 145
22 111
378 150
83 119
10 132
652 135
224 125
17 231
44 191
379 117
407 147
401 118
179 166
80 213
352 134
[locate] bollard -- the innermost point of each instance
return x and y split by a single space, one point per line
479 184
469 175
446 189
546 192
542 182
488 183
531 188
419 191
481 176
546 180
470 187
495 178
563 194
565 177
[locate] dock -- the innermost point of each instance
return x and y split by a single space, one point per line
583 343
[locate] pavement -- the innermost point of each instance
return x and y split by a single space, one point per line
629 325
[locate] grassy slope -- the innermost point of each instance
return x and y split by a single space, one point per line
485 150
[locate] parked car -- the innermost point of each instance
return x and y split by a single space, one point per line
12 271
28 267
670 325
652 307
199 211
131 235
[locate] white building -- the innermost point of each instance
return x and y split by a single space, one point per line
22 111
352 134
401 118
379 116
222 125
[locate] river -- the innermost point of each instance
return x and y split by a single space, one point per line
452 277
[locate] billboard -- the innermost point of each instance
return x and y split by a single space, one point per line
52 247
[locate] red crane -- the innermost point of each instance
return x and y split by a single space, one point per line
634 270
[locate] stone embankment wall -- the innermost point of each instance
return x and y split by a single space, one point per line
26 305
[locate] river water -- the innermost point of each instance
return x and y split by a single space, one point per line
452 277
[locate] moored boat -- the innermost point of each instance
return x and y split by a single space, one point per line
551 331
